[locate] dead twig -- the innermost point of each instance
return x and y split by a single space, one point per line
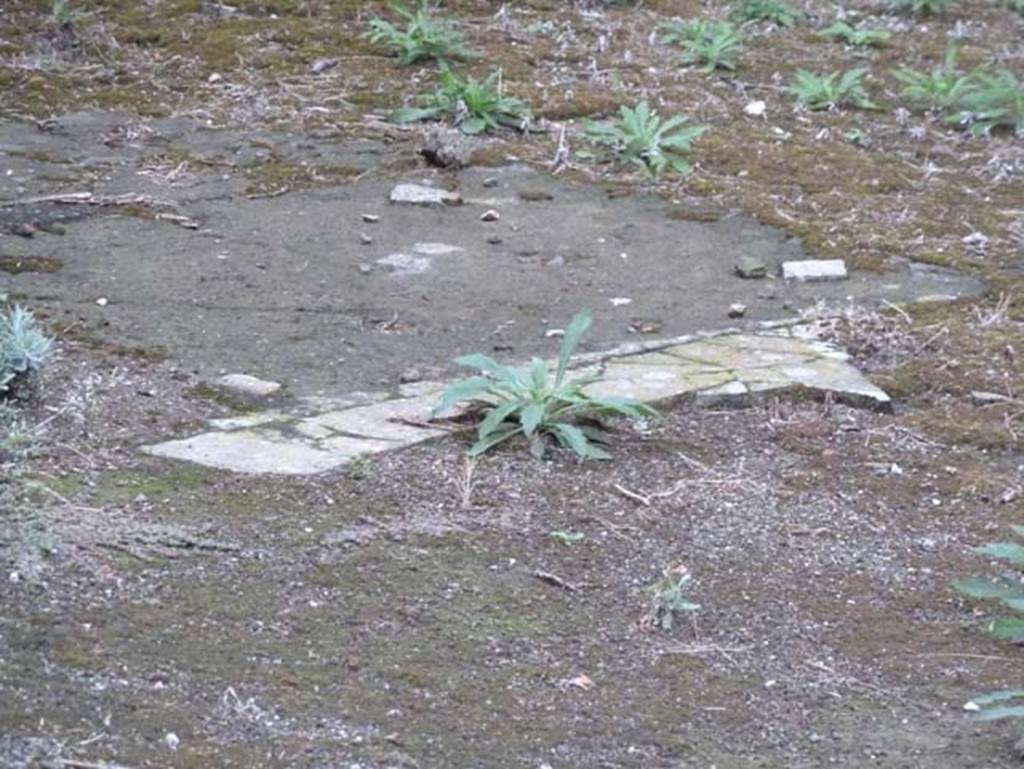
635 496
614 528
74 763
554 579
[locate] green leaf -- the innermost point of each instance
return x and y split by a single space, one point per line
490 366
994 714
976 587
413 114
1000 696
463 390
577 328
485 444
1007 551
1017 529
625 406
1007 628
532 417
495 417
539 373
574 438
473 126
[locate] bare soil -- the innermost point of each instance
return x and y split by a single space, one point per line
416 610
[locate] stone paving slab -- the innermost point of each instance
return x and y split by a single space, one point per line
724 369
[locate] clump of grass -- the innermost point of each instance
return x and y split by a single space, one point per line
941 89
922 7
642 137
24 349
424 37
528 401
991 101
712 44
776 11
840 30
832 91
474 106
1008 591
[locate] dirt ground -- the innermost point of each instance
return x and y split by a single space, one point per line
416 611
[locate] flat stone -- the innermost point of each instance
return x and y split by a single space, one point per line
815 270
983 398
725 369
393 420
421 195
737 310
250 452
751 267
405 264
247 385
435 249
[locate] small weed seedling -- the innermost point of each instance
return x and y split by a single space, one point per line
991 101
853 36
567 538
776 11
424 37
922 7
941 90
640 136
712 44
475 107
63 14
527 401
818 92
24 348
671 597
1010 593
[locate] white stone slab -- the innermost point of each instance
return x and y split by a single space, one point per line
247 385
251 452
421 195
815 270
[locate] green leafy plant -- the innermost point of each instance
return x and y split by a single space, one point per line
528 401
1009 591
853 36
776 11
838 89
24 348
992 100
710 43
922 7
941 89
474 106
640 136
424 37
671 596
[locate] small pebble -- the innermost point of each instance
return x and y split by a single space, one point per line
737 310
490 216
495 240
102 301
490 182
216 77
365 239
366 269
371 218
